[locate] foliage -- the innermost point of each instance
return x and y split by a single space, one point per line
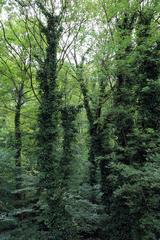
79 101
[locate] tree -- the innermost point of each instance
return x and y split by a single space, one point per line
15 52
128 156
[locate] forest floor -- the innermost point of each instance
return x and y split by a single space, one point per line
5 235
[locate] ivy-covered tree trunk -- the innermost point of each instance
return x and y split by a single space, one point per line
56 216
134 124
118 127
68 115
47 134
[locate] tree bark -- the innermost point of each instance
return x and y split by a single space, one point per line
93 116
18 140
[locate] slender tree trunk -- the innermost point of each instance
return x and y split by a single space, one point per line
94 152
94 139
18 140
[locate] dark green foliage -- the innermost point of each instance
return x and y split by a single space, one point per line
87 216
149 101
134 202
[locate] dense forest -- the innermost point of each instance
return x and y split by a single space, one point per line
80 119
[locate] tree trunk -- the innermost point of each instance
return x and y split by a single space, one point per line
94 135
18 141
68 116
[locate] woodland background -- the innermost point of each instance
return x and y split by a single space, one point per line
80 119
